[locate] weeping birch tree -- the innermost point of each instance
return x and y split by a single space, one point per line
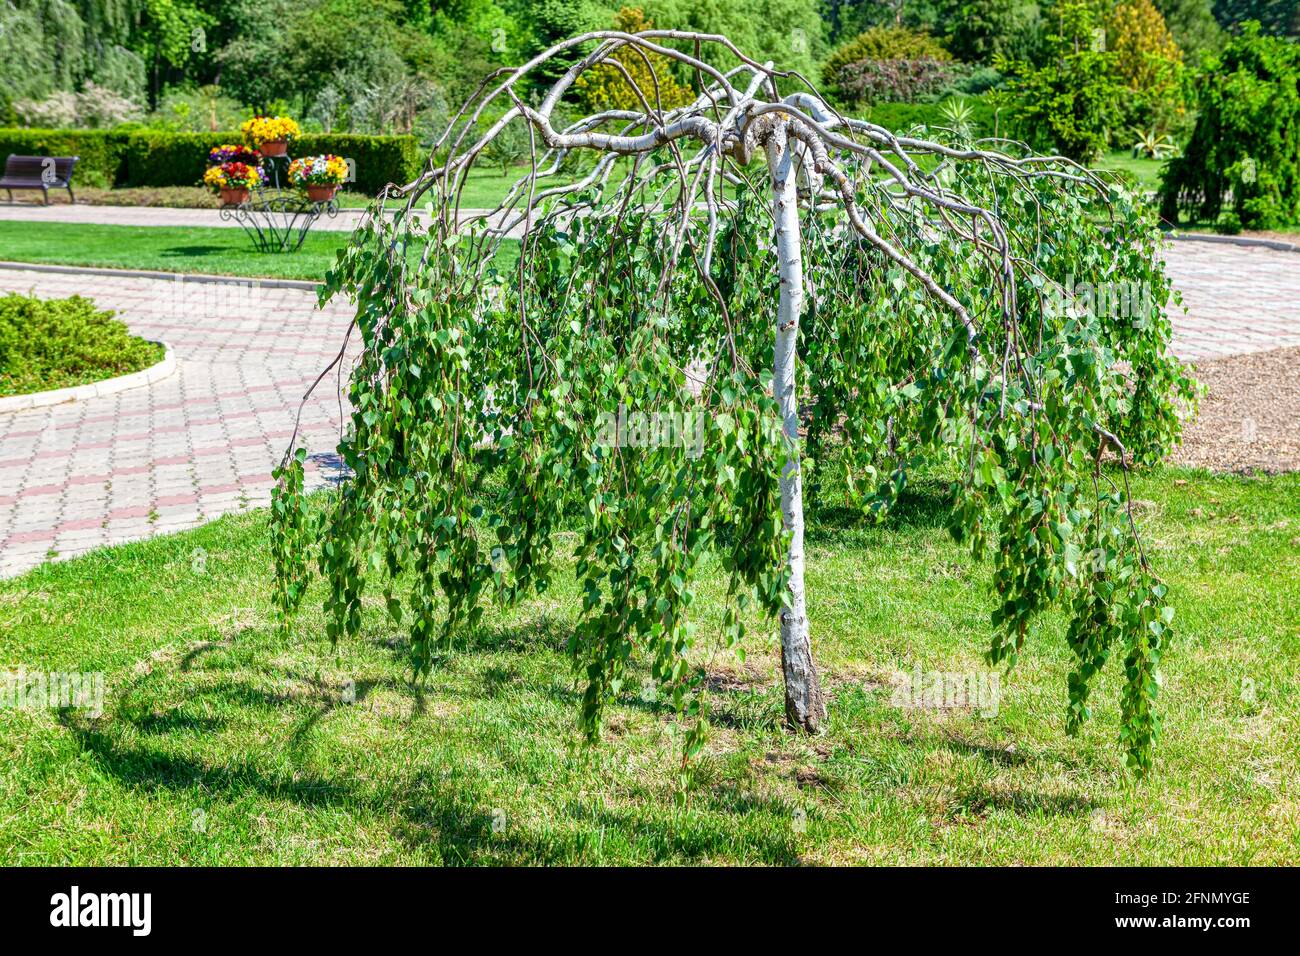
686 321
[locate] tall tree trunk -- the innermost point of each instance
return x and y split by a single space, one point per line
805 707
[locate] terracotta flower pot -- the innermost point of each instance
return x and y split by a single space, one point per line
234 197
321 193
275 147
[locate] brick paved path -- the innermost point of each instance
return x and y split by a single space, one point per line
203 442
1238 299
345 221
196 445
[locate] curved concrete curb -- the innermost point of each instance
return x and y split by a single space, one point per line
304 284
109 386
1275 244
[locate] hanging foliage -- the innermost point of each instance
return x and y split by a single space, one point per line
683 333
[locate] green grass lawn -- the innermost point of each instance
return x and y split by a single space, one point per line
1146 171
222 742
216 250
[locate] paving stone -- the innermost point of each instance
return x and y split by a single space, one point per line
202 442
156 459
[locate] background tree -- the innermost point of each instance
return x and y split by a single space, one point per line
1073 101
674 283
848 18
979 30
784 31
1192 22
1279 17
1144 48
469 39
59 45
1245 147
618 83
1148 63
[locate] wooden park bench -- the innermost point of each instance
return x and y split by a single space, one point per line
39 172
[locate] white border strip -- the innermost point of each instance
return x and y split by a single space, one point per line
1276 245
109 386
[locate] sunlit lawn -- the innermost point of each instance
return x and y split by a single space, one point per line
216 250
222 742
212 251
1144 169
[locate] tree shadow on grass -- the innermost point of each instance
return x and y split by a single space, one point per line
1025 802
190 252
149 747
924 504
452 814
147 768
1023 799
201 648
174 721
543 633
466 831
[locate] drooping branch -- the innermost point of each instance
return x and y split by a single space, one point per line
648 251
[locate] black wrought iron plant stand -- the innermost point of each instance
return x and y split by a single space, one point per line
277 217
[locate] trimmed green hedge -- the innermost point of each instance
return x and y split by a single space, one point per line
59 343
100 151
144 157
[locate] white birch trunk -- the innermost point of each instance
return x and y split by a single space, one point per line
805 707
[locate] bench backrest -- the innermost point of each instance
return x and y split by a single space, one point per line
35 168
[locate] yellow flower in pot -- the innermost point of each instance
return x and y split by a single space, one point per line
270 134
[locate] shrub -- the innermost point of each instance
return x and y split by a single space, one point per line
893 81
512 146
196 111
886 64
606 88
95 107
884 43
58 343
1245 148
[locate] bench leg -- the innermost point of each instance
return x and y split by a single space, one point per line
72 197
46 193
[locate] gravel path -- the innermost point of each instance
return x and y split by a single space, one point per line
1250 419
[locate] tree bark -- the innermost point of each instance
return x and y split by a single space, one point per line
805 707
